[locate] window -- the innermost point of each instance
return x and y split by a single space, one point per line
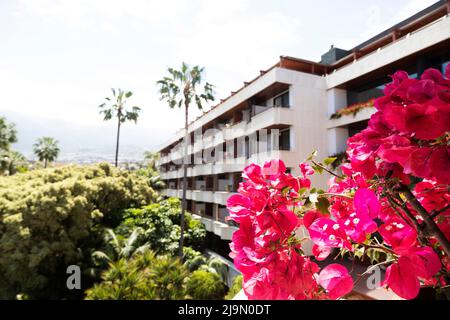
285 139
282 100
356 127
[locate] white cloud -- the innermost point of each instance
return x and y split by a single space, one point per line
101 14
235 41
375 22
131 43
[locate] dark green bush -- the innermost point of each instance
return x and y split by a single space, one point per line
51 218
204 285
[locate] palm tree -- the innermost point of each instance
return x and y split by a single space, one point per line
179 89
116 107
151 158
119 248
46 149
8 134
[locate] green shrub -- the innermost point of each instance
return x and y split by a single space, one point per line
235 288
12 162
160 222
52 218
204 285
193 259
143 277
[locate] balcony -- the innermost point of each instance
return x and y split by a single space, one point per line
271 116
427 36
221 229
363 114
201 196
289 157
219 197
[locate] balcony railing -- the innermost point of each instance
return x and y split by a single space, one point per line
264 117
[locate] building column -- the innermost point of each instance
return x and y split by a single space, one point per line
216 211
337 140
193 207
215 182
337 99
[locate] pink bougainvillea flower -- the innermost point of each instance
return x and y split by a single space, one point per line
327 232
423 121
321 252
259 286
253 173
311 216
273 168
366 203
440 165
432 74
243 237
280 222
358 227
398 234
425 261
418 162
430 163
335 279
402 279
394 117
414 263
306 169
239 207
422 90
244 264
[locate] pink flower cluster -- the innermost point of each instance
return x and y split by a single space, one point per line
273 266
406 145
355 222
407 137
409 132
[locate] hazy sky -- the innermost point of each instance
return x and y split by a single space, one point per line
59 58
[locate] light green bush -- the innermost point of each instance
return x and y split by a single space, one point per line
51 218
235 288
204 285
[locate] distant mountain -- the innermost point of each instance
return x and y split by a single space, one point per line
84 143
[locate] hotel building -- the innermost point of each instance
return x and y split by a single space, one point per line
295 100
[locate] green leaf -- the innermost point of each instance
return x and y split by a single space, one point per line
359 252
285 190
328 161
312 155
323 204
317 169
301 191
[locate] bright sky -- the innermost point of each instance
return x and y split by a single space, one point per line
59 58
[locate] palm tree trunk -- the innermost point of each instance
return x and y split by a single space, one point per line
183 199
117 142
45 163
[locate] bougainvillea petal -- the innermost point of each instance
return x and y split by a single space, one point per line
401 278
425 261
335 279
398 234
366 203
321 252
